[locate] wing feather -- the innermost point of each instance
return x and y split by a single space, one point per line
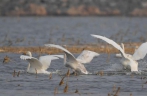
71 61
46 60
117 46
141 52
34 62
86 56
63 49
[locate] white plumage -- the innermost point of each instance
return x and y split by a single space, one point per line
139 53
73 63
120 56
40 65
127 61
86 56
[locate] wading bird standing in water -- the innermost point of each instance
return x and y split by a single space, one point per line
127 61
40 65
73 63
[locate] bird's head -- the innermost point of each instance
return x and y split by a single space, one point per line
27 53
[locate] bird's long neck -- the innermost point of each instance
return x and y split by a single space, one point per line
30 54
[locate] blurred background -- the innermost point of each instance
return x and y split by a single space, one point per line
36 22
73 7
26 25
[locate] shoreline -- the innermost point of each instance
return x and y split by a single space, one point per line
100 48
73 8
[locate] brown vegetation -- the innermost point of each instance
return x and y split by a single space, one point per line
73 7
31 9
90 10
129 48
139 12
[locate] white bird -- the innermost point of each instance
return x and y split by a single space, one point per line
41 65
73 63
139 53
127 61
120 56
86 56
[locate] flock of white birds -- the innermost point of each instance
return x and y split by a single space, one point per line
77 64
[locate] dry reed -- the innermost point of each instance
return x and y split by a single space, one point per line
55 91
66 88
6 59
36 72
18 73
117 92
50 76
62 81
68 73
76 91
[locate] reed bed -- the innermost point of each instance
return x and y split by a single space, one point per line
100 48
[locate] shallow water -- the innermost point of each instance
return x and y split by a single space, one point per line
37 31
30 31
28 84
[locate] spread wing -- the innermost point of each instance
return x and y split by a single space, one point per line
70 55
117 46
70 59
141 52
86 56
46 60
34 62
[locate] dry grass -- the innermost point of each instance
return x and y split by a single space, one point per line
50 76
102 48
68 73
18 73
66 88
14 73
62 81
6 59
117 92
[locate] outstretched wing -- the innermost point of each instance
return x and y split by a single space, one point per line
59 47
63 49
70 59
117 46
141 52
34 62
86 56
46 60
